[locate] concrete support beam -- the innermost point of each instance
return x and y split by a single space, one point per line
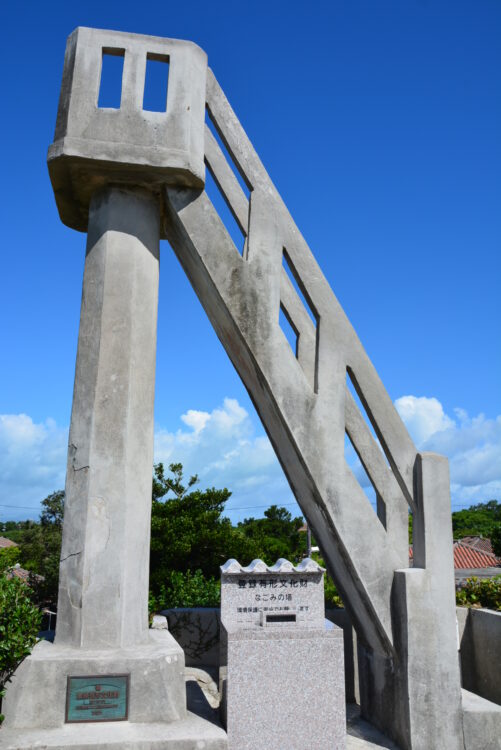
103 589
103 583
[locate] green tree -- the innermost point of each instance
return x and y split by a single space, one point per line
19 625
188 530
41 550
496 539
9 556
477 520
276 535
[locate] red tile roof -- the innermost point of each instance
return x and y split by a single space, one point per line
478 542
466 556
4 542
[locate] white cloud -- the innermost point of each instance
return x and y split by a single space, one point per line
32 463
472 444
225 450
423 416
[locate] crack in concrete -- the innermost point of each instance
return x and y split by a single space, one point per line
73 554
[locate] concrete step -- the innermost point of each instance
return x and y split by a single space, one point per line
360 735
481 723
192 733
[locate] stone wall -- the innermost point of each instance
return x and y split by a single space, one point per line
197 632
480 647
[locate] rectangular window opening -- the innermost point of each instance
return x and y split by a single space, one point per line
156 83
354 389
288 329
110 85
235 168
352 459
308 305
224 211
299 287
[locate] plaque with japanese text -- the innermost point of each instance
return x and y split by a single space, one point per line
103 697
281 595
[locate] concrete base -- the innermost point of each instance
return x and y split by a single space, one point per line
481 723
36 697
190 733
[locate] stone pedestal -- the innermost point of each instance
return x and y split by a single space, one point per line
284 688
37 695
282 663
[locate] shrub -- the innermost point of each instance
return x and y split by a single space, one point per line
19 625
190 589
484 592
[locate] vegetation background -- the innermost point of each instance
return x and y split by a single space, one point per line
191 538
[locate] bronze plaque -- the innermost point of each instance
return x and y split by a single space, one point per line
98 697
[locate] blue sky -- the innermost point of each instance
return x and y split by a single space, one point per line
379 123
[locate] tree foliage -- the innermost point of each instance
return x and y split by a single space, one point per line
477 520
19 625
41 550
186 590
276 535
477 592
9 556
496 539
188 530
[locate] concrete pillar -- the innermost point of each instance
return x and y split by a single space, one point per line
103 589
415 696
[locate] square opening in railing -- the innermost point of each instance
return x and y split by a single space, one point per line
228 155
225 212
288 329
110 85
156 83
358 470
299 287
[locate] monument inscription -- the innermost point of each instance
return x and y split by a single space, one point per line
262 595
97 698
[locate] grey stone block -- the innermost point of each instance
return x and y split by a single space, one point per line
285 689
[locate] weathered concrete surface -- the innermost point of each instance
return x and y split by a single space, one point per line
103 581
480 640
103 584
196 629
96 146
360 735
190 733
36 698
306 408
425 668
481 723
341 618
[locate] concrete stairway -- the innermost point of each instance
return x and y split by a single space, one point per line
309 399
